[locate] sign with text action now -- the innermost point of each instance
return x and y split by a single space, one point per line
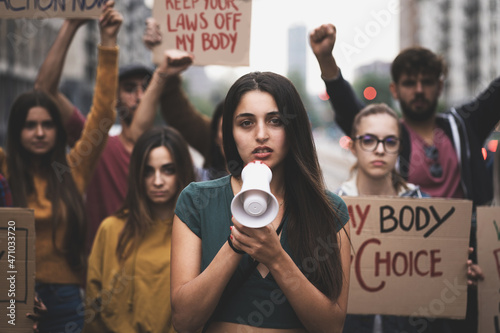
41 9
217 32
488 258
409 256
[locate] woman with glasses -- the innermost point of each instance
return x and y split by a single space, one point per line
376 143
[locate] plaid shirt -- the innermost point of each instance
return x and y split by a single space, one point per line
5 196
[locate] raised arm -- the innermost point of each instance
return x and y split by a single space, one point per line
49 74
179 113
84 156
173 63
482 114
176 109
342 97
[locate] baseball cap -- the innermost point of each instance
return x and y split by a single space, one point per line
134 69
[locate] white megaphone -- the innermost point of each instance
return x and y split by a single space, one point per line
255 206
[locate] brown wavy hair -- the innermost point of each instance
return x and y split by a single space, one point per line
135 209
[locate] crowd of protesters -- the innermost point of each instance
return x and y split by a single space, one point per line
131 236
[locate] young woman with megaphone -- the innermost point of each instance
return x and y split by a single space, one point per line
289 275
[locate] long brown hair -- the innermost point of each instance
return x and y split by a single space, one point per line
67 202
311 215
398 182
136 209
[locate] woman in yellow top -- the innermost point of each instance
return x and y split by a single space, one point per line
43 178
128 282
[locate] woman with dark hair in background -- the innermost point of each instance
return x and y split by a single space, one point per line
214 165
222 269
128 282
42 177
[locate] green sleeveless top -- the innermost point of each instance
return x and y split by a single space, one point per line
205 208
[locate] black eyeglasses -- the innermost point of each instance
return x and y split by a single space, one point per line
435 168
370 142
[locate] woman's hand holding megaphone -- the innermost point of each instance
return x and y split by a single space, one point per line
262 244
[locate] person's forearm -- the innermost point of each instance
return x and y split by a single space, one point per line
344 102
190 312
179 113
317 312
146 110
49 74
328 66
85 154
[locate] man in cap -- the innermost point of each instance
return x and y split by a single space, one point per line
107 189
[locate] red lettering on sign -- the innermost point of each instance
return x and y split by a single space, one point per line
398 263
220 4
362 217
218 41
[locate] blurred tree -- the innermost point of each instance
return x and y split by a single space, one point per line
381 85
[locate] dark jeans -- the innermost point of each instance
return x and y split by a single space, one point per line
63 302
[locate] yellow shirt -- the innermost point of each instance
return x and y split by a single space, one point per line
134 295
51 264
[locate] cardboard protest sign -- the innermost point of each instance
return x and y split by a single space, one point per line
488 258
40 9
409 256
217 32
17 269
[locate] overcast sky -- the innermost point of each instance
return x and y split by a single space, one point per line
367 30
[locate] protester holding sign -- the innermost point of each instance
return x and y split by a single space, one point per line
227 277
44 179
376 142
137 84
128 281
441 152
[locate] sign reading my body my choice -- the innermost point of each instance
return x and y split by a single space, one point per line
409 256
38 9
217 32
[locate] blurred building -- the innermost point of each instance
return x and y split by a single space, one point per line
24 43
380 68
465 32
297 48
